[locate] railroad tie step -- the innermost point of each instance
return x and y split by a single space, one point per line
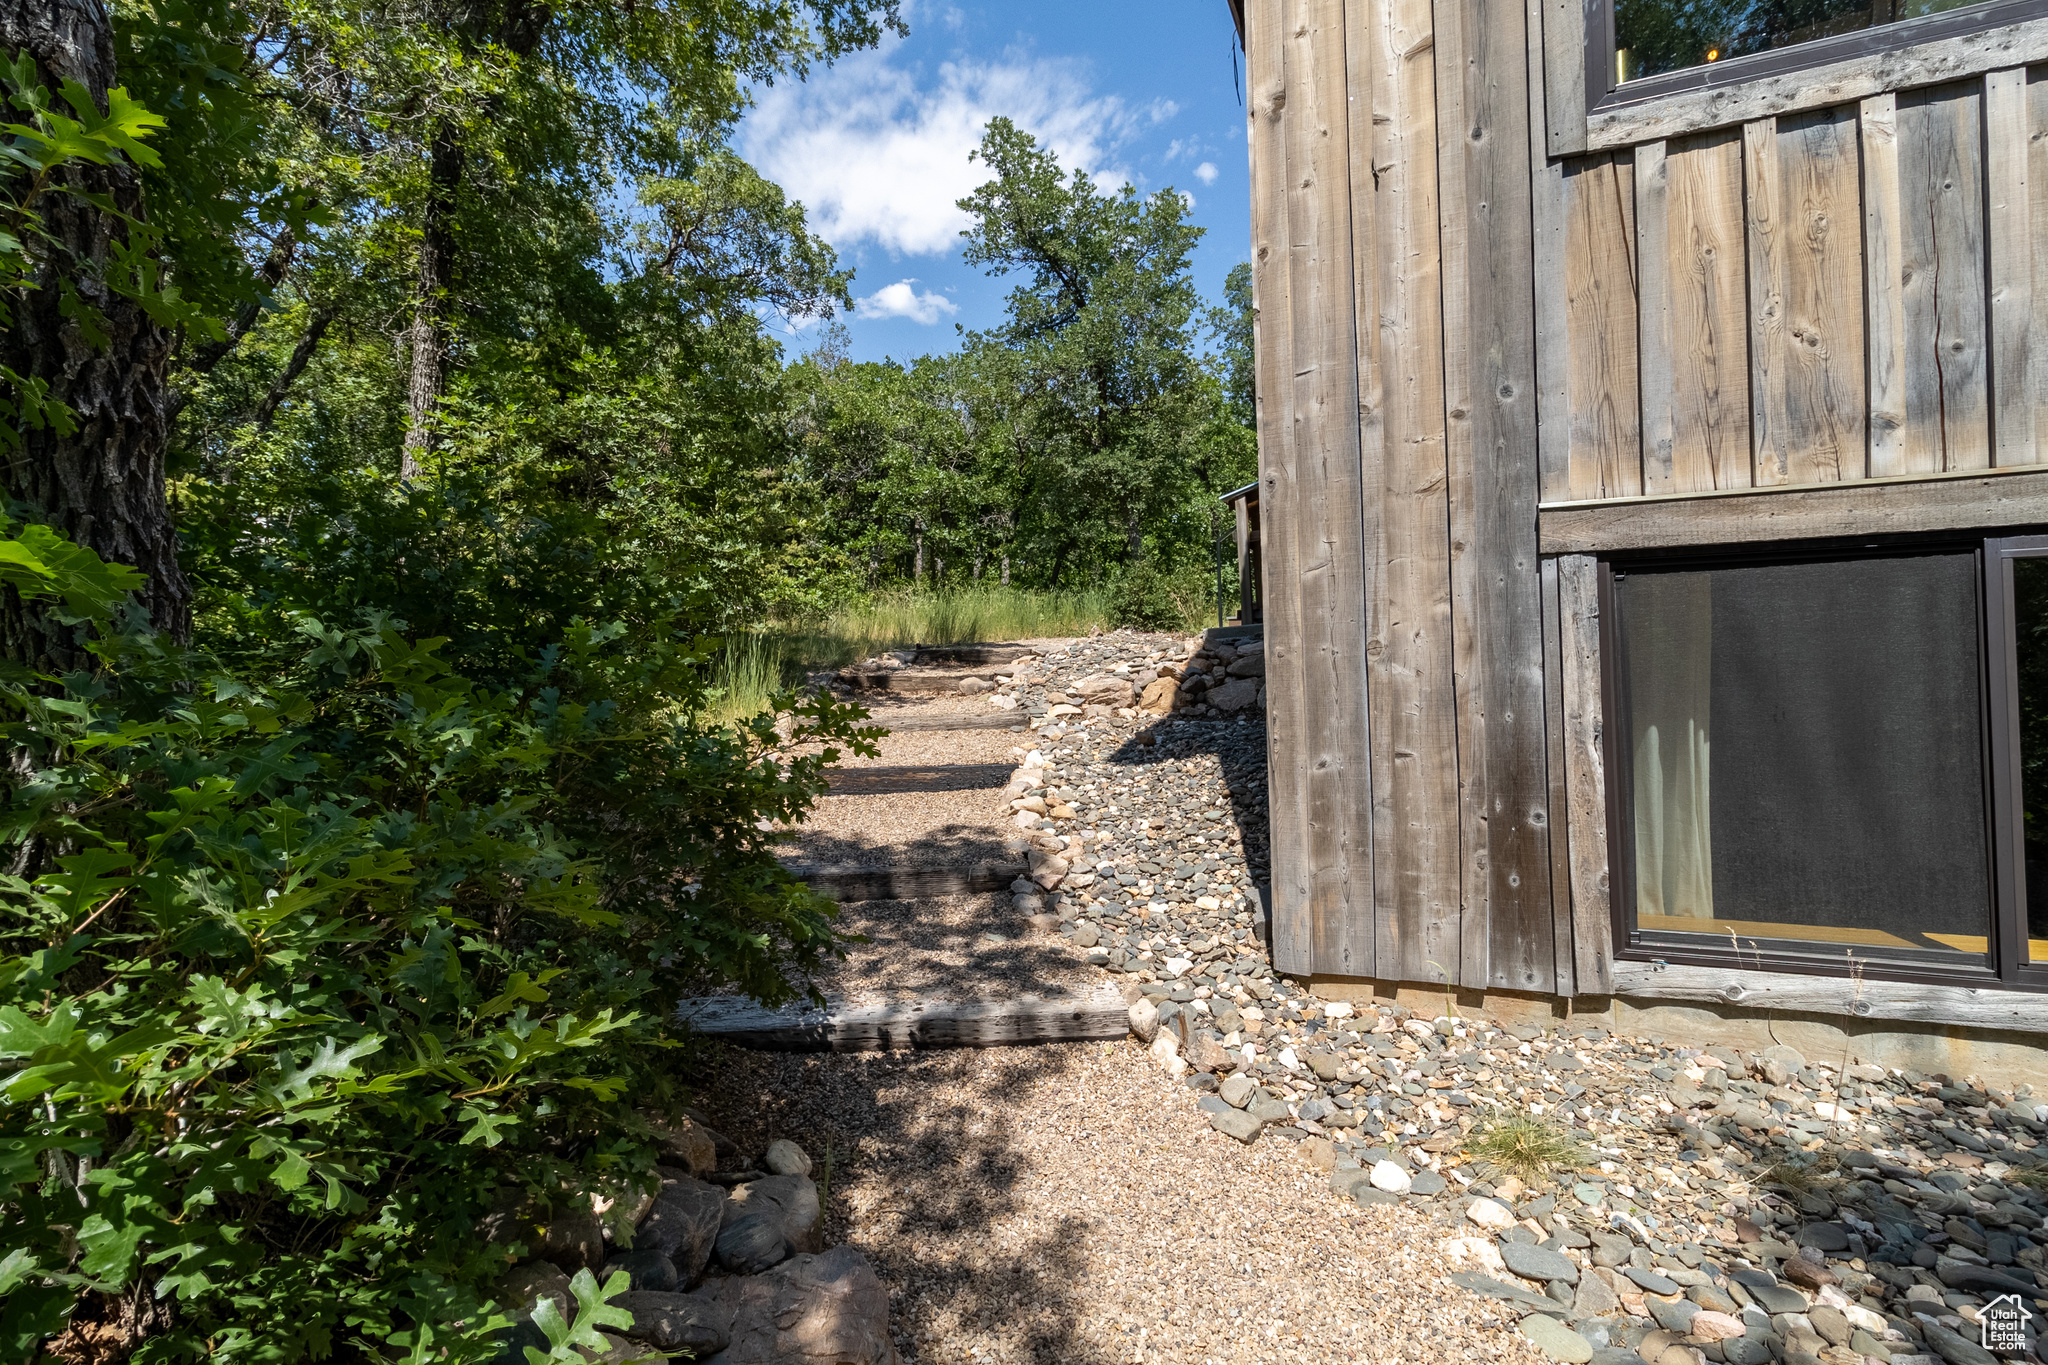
847 884
1096 1014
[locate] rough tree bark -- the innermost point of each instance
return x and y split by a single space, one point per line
428 338
103 485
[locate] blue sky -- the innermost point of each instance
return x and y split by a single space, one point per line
876 146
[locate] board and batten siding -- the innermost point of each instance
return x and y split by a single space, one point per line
1488 356
1846 293
1392 231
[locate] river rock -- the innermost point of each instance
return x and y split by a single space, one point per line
683 1224
786 1158
829 1309
1539 1263
573 1241
1105 689
1556 1340
1144 1016
1391 1178
520 1289
696 1324
1238 1124
767 1221
1487 1214
644 1269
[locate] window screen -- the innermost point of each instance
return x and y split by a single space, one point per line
1805 754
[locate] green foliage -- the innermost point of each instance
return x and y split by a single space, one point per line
328 946
1149 598
755 664
1525 1145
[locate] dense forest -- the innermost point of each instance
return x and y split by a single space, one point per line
396 424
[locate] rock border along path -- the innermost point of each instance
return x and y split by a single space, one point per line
1730 1207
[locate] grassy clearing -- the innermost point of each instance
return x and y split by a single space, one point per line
1525 1146
756 664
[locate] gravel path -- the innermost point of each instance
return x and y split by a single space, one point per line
1067 1205
976 947
1277 1180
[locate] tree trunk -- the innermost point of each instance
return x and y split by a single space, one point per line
917 559
103 485
428 336
1134 533
1006 571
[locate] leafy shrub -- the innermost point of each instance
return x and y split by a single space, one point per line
308 955
1145 600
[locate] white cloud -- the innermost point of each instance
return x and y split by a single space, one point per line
899 300
1206 172
879 155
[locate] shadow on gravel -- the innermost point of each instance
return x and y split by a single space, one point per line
923 1161
1240 748
964 947
950 846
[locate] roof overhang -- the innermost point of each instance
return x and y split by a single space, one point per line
1237 17
1248 493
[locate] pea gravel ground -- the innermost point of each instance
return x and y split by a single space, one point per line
1065 1204
1068 1204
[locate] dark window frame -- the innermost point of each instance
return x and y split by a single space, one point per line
2008 968
1603 95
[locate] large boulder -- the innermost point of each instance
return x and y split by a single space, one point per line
1159 697
520 1290
1106 689
767 1221
1234 695
814 1310
683 1224
573 1240
694 1324
1248 665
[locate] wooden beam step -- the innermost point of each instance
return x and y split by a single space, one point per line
999 720
998 653
918 679
908 883
918 777
1096 1014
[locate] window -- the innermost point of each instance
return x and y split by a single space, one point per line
1643 48
1836 764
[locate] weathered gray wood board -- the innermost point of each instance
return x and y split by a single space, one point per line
995 652
1693 347
952 720
1798 91
1807 404
1410 687
1956 502
920 679
1585 773
907 883
1836 995
1328 555
1099 1014
1490 399
1280 505
919 777
1827 294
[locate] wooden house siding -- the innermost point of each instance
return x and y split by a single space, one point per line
1841 294
1483 365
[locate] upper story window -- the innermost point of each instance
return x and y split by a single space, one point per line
1638 49
1652 37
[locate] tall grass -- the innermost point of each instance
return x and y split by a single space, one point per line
757 663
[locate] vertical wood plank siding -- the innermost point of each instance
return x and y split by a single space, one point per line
2017 341
1826 296
1490 392
1941 188
1603 412
1853 292
1329 558
1414 722
1280 501
1806 298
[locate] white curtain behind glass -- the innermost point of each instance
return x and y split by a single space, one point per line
1670 663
